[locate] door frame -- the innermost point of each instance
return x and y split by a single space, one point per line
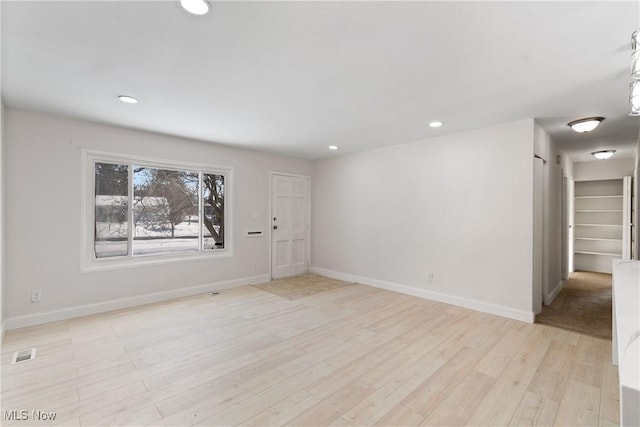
570 222
564 227
627 227
308 219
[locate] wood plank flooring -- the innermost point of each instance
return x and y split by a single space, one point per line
351 356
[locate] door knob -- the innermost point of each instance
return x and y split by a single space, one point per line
275 227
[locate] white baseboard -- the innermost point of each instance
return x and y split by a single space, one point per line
101 307
548 298
484 307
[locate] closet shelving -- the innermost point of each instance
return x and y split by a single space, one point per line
598 224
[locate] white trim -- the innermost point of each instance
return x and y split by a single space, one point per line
84 310
3 326
499 310
570 222
142 260
154 161
89 263
549 297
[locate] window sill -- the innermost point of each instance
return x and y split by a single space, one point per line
141 261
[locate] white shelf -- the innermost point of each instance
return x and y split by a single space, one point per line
598 224
599 253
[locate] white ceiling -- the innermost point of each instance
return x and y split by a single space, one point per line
295 77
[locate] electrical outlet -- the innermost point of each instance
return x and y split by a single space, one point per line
429 277
36 294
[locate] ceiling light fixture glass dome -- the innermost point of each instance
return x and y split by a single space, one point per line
197 7
635 55
128 99
603 155
585 125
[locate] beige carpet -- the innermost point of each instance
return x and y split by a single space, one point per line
301 286
583 305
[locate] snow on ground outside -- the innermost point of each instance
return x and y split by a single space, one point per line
186 239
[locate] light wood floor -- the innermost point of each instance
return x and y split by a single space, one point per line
351 356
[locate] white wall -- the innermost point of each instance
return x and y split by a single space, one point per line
554 168
2 181
459 206
43 206
540 142
540 215
567 171
553 225
636 200
567 165
2 207
603 169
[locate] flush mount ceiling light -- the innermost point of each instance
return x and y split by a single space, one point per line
634 86
435 124
128 99
603 155
197 7
585 125
333 147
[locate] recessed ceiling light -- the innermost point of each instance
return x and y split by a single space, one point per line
585 125
128 99
333 147
197 7
603 155
435 124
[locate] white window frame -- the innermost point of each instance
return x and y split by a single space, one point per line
89 262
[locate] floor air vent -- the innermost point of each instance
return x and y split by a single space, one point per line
23 356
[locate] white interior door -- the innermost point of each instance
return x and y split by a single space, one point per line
289 225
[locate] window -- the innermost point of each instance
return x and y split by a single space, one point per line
111 210
142 209
165 211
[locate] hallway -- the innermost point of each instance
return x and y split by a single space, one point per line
583 305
